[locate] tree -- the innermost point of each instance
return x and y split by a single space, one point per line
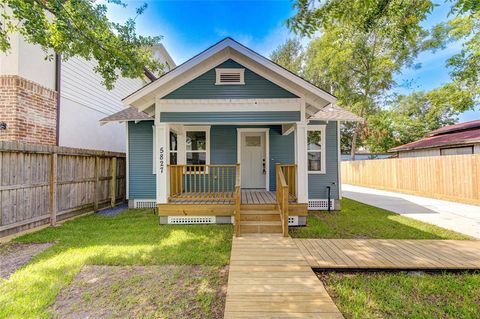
80 28
464 26
289 55
411 117
360 48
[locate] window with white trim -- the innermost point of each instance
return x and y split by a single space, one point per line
173 148
230 76
197 145
316 149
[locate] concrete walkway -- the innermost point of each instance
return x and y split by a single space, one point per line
270 278
461 218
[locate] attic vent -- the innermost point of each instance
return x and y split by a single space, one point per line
230 76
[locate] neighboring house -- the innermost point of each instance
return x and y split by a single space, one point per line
188 129
457 139
61 102
365 156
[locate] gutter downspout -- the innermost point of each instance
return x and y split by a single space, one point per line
58 79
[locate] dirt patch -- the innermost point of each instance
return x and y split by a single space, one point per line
170 291
14 256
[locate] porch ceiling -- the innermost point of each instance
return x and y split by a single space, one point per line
332 112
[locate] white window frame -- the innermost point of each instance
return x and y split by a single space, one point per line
322 130
220 71
169 150
205 129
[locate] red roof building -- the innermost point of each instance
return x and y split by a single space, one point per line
457 139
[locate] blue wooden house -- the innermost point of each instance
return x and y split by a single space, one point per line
231 137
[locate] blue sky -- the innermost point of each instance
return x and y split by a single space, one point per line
189 27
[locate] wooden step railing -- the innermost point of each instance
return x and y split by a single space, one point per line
282 194
238 200
289 172
203 182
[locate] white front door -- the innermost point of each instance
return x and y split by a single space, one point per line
253 162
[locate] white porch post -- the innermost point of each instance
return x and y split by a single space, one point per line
301 157
162 135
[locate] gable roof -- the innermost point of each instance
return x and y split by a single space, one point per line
218 53
457 134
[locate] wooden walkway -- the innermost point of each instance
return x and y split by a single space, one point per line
270 278
390 254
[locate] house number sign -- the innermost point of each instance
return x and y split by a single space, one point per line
162 159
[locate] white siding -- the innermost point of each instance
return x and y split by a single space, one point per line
84 101
81 84
420 153
431 152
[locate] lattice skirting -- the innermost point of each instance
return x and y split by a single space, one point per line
144 203
320 204
183 220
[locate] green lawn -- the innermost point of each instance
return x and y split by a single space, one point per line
400 295
357 220
131 238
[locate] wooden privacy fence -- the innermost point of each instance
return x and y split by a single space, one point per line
41 184
455 177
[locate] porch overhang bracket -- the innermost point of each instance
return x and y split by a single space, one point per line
287 128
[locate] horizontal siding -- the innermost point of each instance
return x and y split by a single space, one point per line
317 183
223 148
420 153
282 151
81 84
140 151
203 87
229 117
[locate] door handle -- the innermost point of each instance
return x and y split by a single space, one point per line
263 164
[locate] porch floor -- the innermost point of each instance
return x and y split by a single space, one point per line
249 196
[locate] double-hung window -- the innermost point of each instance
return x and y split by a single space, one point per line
316 149
197 145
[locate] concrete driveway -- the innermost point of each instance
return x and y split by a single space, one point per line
461 218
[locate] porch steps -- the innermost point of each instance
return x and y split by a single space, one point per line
260 227
260 221
259 215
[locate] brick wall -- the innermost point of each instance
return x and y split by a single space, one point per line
28 109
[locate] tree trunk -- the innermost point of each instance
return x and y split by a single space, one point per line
354 140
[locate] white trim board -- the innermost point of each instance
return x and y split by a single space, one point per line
229 123
228 105
267 150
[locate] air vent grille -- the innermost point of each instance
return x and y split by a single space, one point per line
320 204
230 76
144 203
182 220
